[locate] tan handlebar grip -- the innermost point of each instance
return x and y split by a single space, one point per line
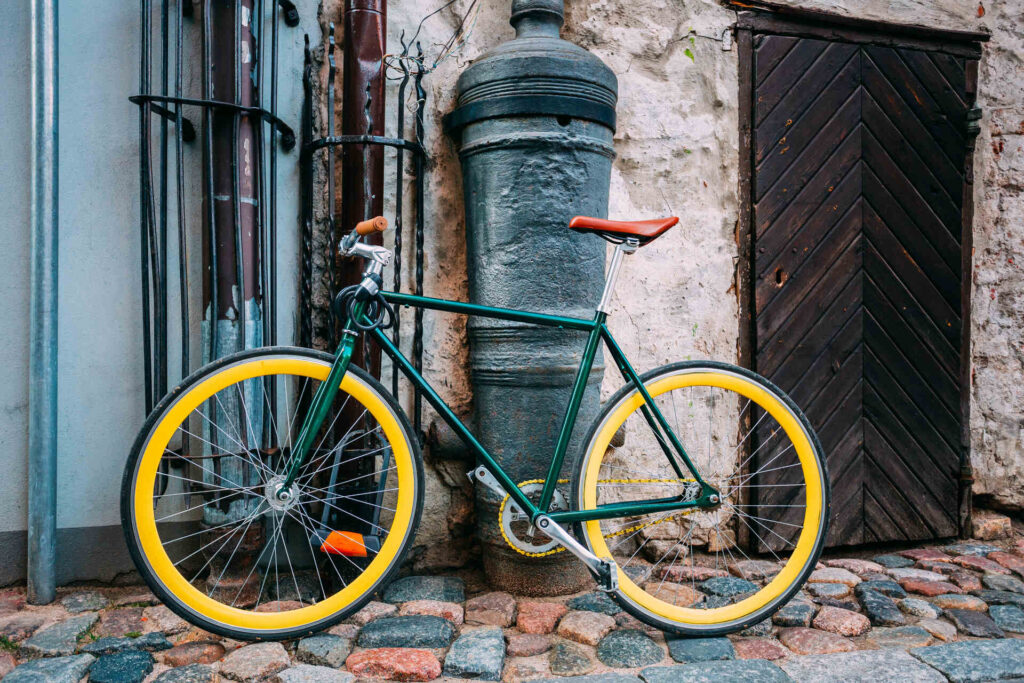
375 224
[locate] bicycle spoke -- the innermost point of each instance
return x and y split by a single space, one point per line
350 560
227 563
194 507
350 514
324 468
219 429
238 439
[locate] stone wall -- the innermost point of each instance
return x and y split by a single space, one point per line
676 141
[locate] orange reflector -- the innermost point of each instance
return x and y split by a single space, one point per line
347 543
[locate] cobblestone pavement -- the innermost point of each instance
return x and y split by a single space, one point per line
952 612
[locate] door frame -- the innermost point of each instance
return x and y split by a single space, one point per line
767 17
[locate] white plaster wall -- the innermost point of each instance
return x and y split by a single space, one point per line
997 351
676 137
14 276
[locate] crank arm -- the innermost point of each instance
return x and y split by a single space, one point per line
484 476
604 570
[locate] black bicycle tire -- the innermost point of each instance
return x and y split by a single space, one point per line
762 613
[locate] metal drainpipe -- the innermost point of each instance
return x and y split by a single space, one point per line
364 44
362 169
235 200
234 180
42 387
534 125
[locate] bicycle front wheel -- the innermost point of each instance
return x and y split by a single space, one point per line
203 512
714 570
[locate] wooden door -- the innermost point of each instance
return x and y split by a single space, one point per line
858 154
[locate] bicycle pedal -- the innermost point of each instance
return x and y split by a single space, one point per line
607 575
347 543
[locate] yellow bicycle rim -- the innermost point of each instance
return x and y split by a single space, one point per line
145 479
813 518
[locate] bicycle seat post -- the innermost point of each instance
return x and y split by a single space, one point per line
627 246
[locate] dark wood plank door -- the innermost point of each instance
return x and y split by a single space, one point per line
857 181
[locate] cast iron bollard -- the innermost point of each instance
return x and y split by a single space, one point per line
534 125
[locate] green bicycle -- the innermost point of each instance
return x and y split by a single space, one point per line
274 491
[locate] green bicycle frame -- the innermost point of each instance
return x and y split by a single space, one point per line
597 332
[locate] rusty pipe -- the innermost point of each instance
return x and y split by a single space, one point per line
364 43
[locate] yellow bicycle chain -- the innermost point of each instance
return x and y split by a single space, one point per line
620 532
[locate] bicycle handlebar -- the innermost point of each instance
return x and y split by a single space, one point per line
372 225
362 229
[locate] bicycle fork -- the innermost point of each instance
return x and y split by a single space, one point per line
320 406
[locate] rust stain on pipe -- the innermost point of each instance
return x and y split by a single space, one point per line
364 43
233 82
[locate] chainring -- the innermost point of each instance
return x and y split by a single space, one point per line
515 525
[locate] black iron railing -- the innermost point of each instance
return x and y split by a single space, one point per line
326 146
249 112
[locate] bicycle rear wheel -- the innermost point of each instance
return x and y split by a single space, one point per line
201 508
721 569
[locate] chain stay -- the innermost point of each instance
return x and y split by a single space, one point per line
620 532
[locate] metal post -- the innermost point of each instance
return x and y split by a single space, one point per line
236 205
362 113
42 387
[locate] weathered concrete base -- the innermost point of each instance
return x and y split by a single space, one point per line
555 574
95 553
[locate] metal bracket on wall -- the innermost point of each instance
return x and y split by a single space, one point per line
287 134
291 14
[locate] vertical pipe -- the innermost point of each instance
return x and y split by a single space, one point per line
144 221
332 197
211 289
42 388
153 247
243 233
362 113
183 291
265 254
261 159
417 341
160 384
399 191
306 243
235 177
235 204
271 310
